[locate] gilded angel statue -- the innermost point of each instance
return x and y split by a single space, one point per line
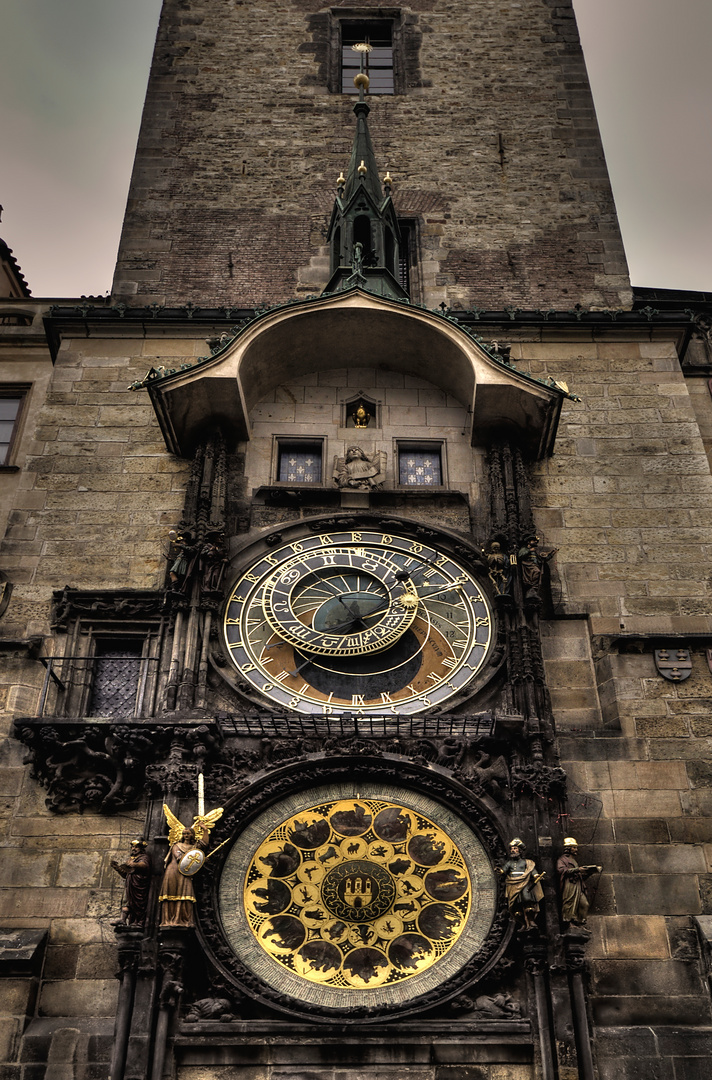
186 855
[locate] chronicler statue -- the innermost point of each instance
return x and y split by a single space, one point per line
573 883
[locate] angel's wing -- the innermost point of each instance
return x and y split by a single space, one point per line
175 829
205 823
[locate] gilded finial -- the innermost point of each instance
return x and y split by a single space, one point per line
362 81
341 180
362 170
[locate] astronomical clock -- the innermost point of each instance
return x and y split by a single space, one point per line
359 883
358 620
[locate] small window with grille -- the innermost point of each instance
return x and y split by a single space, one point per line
378 61
116 676
420 465
299 461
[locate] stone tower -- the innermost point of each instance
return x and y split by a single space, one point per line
355 595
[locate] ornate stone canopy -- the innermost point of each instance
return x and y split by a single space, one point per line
355 327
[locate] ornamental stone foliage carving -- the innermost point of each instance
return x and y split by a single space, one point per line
109 767
117 605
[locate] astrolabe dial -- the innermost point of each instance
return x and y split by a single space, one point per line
357 893
341 602
359 620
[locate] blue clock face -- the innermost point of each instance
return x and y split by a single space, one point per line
360 621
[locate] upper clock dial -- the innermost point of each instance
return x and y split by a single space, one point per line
357 620
342 602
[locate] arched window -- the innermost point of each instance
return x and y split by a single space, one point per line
362 235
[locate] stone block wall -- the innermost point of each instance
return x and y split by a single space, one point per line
408 409
98 492
242 142
627 498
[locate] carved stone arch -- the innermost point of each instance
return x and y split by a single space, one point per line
310 779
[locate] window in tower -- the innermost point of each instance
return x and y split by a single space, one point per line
12 399
405 253
299 461
378 62
420 464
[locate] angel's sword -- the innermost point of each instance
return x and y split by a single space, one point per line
201 795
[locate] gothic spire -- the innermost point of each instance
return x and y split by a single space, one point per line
362 171
364 237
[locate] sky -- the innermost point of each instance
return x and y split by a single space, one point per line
73 78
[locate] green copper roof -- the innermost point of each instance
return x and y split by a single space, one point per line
363 152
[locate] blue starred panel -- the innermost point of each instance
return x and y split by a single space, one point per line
300 466
420 468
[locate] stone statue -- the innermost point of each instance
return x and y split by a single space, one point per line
210 1009
186 854
499 569
359 471
532 563
572 881
136 872
521 886
497 1007
183 555
212 561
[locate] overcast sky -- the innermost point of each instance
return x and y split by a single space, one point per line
73 77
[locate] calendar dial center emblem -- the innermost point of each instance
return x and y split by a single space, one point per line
362 620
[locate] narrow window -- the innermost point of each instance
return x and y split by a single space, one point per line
10 410
378 62
405 253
